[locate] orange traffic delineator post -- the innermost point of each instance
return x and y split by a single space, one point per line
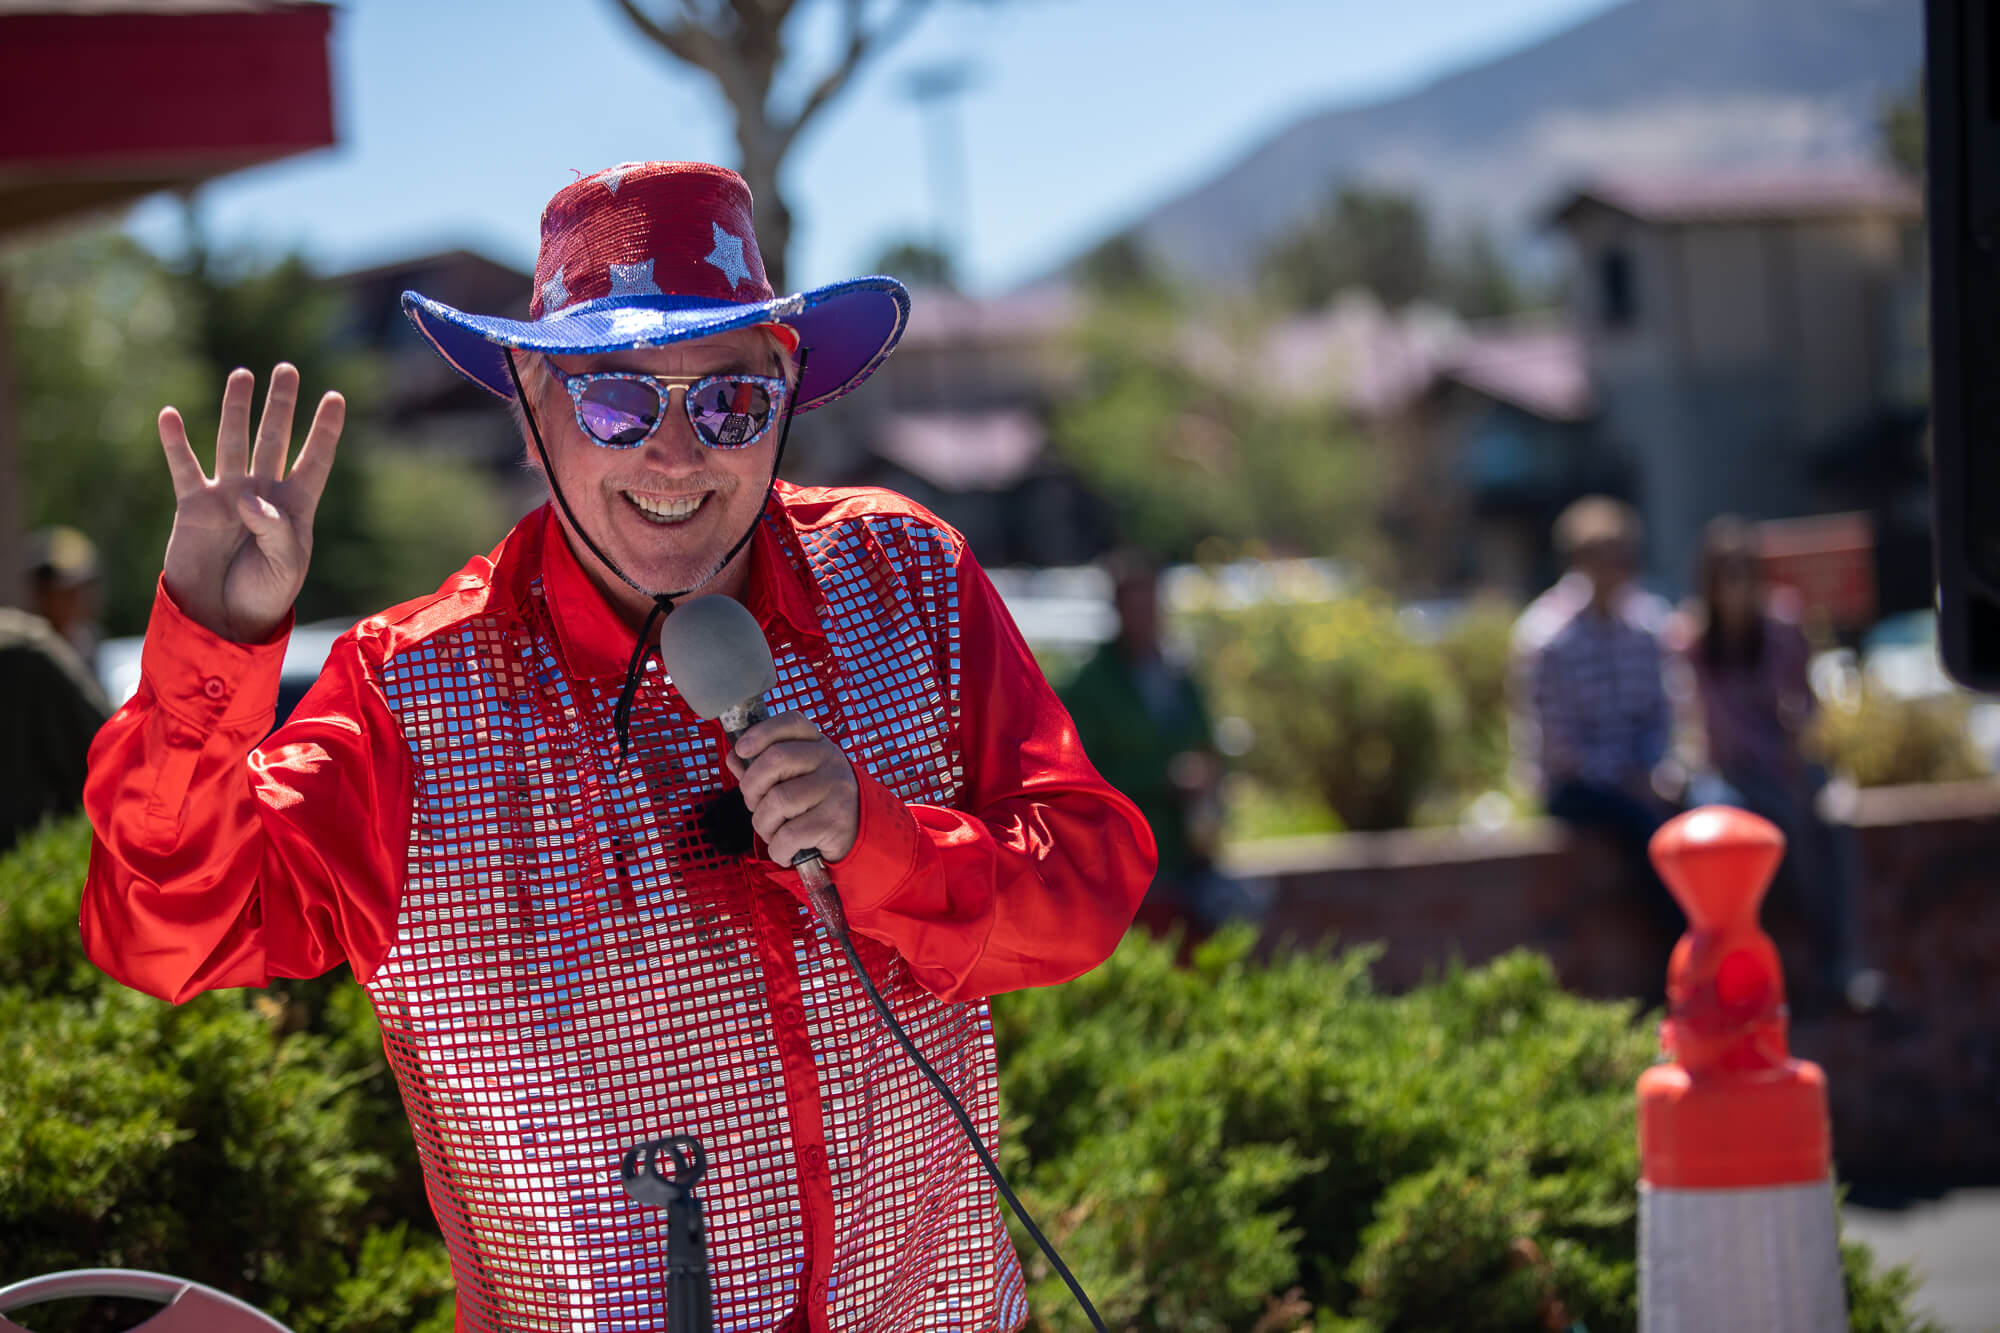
1736 1210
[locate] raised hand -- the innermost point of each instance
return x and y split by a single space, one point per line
242 540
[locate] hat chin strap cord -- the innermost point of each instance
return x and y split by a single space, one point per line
663 602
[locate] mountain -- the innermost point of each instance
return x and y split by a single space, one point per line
1651 86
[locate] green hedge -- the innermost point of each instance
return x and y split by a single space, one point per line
1234 1145
251 1140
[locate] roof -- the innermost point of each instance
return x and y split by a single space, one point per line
1787 195
203 87
941 316
963 451
1539 368
10 8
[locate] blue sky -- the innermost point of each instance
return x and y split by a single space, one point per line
458 119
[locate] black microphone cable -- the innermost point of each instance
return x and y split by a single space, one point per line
826 904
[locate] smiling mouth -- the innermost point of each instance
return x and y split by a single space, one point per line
666 512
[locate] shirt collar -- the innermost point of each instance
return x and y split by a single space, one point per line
596 640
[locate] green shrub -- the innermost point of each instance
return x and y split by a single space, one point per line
1877 739
1475 651
1341 701
242 1140
1279 1146
1228 1146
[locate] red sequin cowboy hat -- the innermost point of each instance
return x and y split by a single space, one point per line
649 253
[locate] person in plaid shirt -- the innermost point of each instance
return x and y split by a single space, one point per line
1600 721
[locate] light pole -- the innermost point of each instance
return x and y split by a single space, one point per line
935 89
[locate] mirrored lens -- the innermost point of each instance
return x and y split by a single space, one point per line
619 412
730 413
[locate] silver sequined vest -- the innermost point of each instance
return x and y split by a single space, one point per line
577 969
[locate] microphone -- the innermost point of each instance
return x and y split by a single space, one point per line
715 652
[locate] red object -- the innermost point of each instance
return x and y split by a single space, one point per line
688 224
1827 561
1732 1110
100 108
564 966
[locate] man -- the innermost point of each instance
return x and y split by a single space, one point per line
1145 727
53 702
498 812
1599 723
67 587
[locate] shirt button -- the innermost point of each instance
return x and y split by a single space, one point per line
214 688
791 1014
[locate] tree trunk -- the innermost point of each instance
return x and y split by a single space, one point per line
774 217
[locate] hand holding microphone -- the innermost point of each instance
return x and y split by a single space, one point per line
799 788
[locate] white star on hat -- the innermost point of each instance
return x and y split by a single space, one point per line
635 280
728 256
554 295
611 177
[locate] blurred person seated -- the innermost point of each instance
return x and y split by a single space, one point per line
1747 659
54 704
1145 727
67 588
1596 722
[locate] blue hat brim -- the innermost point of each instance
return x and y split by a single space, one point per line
850 326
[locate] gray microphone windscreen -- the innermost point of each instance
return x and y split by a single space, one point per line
716 654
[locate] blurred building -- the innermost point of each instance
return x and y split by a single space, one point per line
956 420
425 404
1747 343
1486 451
1748 339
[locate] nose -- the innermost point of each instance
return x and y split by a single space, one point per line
674 445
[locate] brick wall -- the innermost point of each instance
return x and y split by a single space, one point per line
1915 1086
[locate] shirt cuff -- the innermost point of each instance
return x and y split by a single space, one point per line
886 844
204 679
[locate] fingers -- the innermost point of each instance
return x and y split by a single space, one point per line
182 465
799 787
232 438
263 518
274 430
781 727
316 455
809 812
781 763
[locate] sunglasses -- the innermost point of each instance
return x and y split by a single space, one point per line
621 409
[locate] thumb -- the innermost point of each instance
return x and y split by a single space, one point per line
258 514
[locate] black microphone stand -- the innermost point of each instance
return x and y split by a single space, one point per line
690 1295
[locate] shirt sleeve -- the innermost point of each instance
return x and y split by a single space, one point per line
1035 876
222 862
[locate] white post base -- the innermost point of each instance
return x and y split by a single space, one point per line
1740 1261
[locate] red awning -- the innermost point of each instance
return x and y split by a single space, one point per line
103 101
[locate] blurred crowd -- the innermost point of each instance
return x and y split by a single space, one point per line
1627 711
1624 710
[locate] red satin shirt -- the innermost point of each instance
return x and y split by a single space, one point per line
220 861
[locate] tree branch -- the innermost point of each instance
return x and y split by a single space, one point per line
696 42
861 44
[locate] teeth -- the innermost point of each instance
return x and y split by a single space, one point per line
666 509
